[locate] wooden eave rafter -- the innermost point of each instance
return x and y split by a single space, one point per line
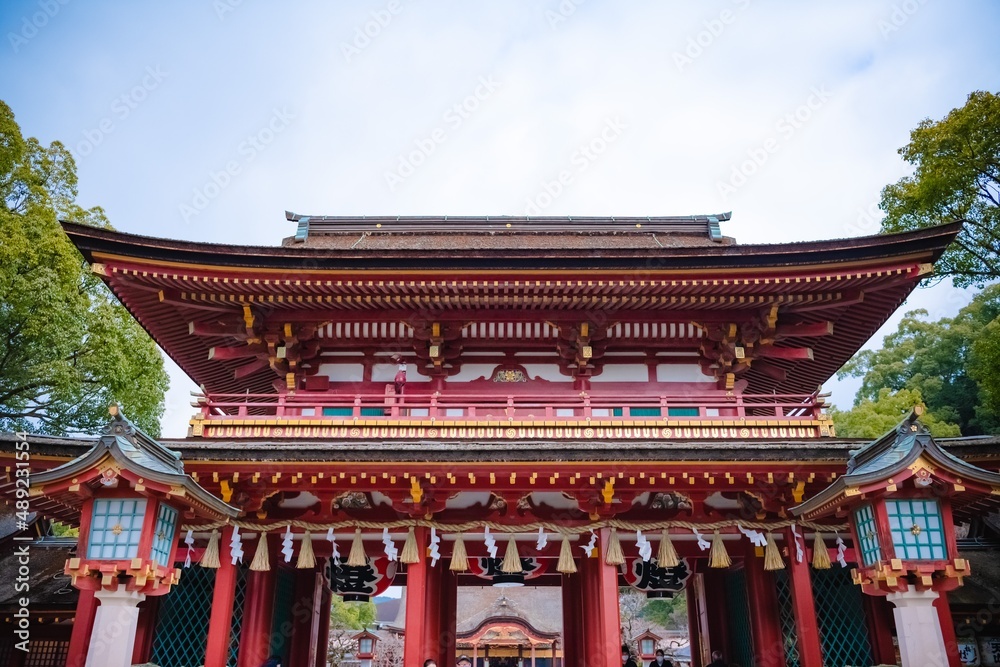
851 285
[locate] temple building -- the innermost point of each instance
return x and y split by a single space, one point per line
572 405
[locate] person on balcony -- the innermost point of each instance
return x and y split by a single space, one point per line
400 380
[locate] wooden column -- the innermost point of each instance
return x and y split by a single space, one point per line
948 630
302 649
258 611
602 638
694 625
803 606
417 612
572 613
878 614
449 607
323 638
533 654
715 609
83 626
475 654
765 622
223 595
144 632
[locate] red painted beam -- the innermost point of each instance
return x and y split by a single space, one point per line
83 626
765 623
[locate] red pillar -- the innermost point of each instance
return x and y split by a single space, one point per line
323 638
449 608
878 613
602 626
806 626
304 609
223 595
83 625
948 630
258 610
765 623
433 646
715 608
694 624
416 605
572 611
146 628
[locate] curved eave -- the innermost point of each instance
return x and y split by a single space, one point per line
195 497
835 494
934 240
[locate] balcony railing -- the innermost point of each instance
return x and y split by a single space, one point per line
444 410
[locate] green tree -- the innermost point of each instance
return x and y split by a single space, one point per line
351 615
956 176
68 349
871 419
953 363
670 613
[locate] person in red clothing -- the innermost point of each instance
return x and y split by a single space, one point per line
400 380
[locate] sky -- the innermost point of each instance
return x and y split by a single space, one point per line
207 120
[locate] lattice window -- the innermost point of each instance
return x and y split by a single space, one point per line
236 627
916 528
163 534
840 614
864 522
636 412
47 653
787 614
182 621
116 527
7 651
738 610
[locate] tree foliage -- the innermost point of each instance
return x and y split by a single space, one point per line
351 615
871 419
670 613
956 176
953 365
67 348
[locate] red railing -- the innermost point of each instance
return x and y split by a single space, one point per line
463 406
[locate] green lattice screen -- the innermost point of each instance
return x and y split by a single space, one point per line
864 522
284 593
182 620
237 625
787 614
738 610
841 616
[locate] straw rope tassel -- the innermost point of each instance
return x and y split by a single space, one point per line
357 557
614 556
566 564
307 558
410 553
459 556
511 560
718 556
210 558
261 560
821 557
667 554
772 557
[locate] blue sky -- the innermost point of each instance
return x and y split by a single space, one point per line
207 120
